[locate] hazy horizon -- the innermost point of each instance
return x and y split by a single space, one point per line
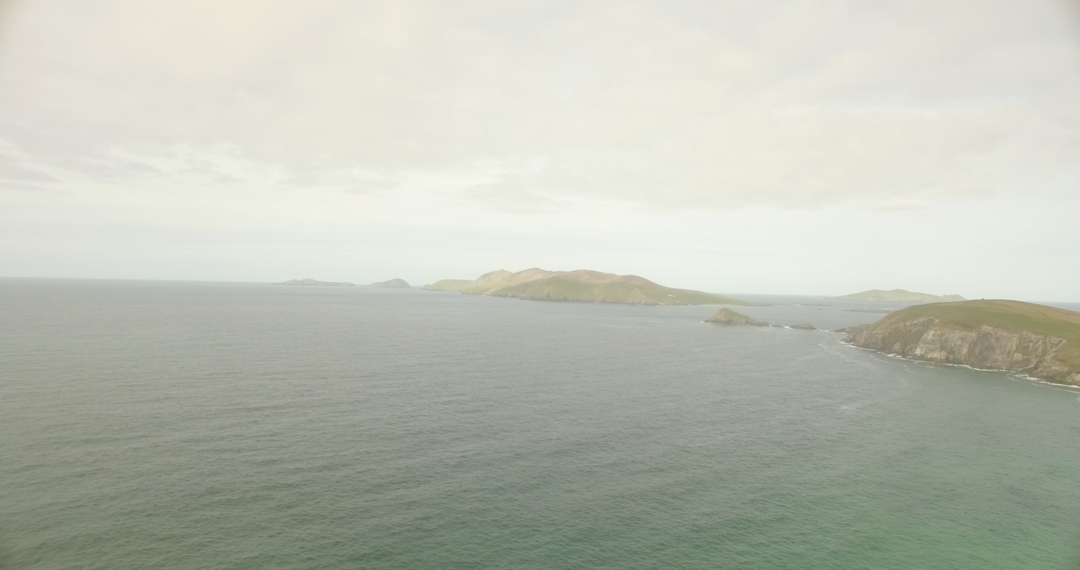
773 148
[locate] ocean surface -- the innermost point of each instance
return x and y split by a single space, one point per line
174 425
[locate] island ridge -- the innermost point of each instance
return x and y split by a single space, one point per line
898 296
582 285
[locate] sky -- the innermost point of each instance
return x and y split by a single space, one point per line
788 147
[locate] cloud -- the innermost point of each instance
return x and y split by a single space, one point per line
678 106
900 206
32 188
21 173
509 198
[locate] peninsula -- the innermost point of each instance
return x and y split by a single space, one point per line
898 296
315 282
583 285
392 284
1034 340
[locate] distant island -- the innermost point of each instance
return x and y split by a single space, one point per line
315 282
728 317
898 296
393 284
1035 340
583 285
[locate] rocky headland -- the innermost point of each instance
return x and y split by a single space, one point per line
583 285
898 296
317 283
1034 340
393 284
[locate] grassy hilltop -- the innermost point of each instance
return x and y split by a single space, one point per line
582 285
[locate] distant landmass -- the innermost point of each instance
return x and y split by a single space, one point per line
393 284
583 285
315 282
898 296
1035 340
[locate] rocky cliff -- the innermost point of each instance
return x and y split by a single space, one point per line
995 335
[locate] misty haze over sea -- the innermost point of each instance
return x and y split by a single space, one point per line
185 425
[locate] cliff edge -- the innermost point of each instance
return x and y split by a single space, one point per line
1035 340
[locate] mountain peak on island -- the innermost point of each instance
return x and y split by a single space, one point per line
898 296
581 285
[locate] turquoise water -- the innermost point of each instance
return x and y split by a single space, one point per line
196 425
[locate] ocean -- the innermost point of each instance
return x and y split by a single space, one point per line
183 425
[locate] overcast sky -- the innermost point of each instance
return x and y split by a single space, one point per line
818 147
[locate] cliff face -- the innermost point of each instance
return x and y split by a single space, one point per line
988 347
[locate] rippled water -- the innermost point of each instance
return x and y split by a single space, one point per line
195 425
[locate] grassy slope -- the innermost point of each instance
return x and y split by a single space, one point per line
1009 315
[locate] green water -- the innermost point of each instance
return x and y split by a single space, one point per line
173 425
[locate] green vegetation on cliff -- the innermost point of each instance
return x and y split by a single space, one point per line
898 296
579 286
1009 335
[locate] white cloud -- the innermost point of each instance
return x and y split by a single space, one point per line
792 104
525 122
